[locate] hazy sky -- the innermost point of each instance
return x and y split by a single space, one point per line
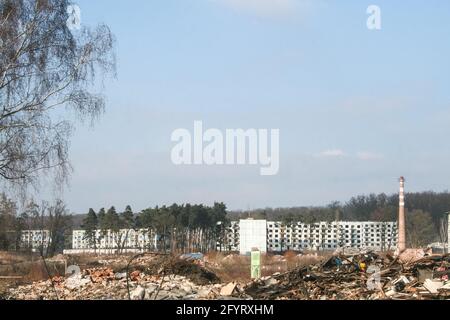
355 108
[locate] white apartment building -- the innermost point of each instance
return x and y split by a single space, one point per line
270 236
35 239
318 236
252 235
124 239
232 237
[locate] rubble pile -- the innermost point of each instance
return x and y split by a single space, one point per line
364 276
101 285
355 276
149 279
194 270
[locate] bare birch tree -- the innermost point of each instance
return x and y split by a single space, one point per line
44 68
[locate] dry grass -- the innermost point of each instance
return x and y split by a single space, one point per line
29 267
234 267
7 258
231 268
18 269
295 260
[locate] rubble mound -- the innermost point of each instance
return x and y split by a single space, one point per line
193 270
196 273
366 276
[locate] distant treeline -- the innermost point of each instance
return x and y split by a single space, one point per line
181 228
190 227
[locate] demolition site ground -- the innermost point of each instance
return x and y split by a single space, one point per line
414 275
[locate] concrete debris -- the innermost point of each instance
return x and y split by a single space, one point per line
75 281
411 255
228 290
148 287
270 281
138 293
433 285
166 279
120 275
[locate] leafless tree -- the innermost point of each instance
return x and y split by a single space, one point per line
53 223
47 76
59 224
8 212
35 219
420 230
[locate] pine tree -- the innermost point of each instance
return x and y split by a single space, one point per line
112 224
90 225
127 222
112 220
127 218
102 223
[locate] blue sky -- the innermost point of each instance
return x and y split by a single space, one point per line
356 108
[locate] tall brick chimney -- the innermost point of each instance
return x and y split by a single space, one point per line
401 217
